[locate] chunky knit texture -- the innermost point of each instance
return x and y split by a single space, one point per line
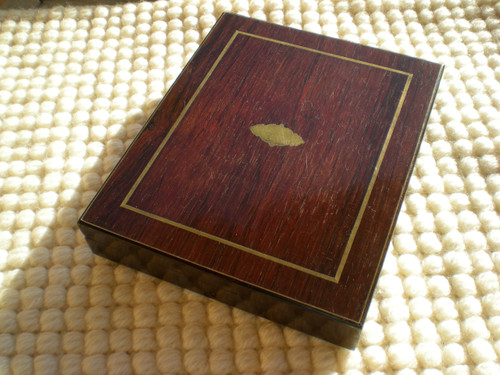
77 84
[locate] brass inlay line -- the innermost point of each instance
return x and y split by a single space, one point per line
372 181
140 133
226 242
415 153
181 116
343 260
276 135
324 53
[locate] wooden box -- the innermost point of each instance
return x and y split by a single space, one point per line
271 175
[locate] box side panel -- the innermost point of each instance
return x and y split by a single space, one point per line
220 288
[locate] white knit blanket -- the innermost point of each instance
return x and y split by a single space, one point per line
77 84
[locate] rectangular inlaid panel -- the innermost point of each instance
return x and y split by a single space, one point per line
221 181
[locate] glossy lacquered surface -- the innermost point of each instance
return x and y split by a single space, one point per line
277 162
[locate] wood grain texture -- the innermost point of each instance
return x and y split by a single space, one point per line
308 224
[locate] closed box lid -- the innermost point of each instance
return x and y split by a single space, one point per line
278 159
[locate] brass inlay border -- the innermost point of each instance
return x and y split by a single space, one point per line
140 133
325 53
372 180
271 258
226 242
408 175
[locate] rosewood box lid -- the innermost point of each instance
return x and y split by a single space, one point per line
278 161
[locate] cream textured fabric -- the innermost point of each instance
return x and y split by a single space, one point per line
77 84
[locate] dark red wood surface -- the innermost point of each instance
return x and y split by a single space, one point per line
292 206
